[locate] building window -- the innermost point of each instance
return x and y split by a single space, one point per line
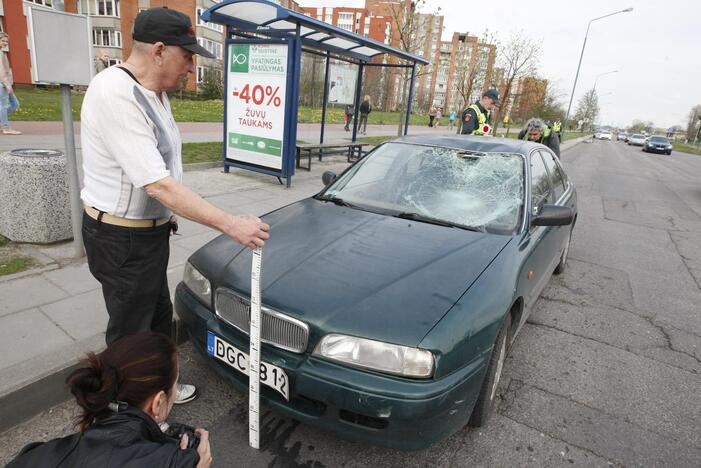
211 46
106 37
46 3
114 62
206 24
200 74
99 7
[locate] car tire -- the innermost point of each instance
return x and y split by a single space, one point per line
560 268
669 153
485 402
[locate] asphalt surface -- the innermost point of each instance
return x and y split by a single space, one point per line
605 373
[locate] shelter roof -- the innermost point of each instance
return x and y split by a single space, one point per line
269 19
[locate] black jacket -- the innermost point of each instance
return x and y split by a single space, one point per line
365 107
129 438
552 141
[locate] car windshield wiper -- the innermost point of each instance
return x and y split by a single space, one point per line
439 222
337 201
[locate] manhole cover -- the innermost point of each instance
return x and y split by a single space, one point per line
35 153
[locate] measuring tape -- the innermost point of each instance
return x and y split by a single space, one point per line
254 353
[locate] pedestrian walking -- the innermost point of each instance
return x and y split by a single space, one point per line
451 118
102 62
348 117
8 99
431 116
439 115
478 114
132 178
365 109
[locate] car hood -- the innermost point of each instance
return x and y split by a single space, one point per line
364 274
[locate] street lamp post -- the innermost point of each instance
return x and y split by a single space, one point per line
602 74
576 76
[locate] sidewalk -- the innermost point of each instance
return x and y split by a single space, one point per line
49 135
52 315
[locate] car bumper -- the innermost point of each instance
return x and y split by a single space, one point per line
373 408
635 143
653 149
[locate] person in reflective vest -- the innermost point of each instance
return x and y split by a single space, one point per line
478 114
536 130
557 128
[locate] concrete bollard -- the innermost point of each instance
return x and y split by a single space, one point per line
34 202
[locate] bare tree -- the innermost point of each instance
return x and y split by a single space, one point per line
640 126
693 124
519 58
587 109
410 36
551 108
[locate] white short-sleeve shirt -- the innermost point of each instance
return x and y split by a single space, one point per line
129 139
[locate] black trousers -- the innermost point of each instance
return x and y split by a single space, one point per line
130 264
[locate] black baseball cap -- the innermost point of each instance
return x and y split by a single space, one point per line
492 93
169 27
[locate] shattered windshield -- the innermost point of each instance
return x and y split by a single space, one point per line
483 191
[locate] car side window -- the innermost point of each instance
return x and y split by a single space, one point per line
540 183
558 180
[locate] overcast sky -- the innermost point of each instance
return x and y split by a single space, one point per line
656 49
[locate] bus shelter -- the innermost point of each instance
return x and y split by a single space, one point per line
262 63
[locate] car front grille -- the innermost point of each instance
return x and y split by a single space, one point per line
277 329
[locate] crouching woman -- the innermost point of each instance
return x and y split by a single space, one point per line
125 392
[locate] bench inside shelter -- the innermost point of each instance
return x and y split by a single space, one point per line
353 150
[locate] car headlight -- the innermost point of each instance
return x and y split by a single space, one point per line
376 355
197 283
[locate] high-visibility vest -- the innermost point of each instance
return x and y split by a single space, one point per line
481 119
546 134
557 126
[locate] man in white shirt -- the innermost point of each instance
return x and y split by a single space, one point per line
132 171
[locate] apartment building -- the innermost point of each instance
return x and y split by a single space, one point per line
112 24
464 69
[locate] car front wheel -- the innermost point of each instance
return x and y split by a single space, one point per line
485 401
563 258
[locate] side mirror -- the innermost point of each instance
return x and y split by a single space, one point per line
328 177
553 215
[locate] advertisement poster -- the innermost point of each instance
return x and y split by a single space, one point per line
342 83
256 103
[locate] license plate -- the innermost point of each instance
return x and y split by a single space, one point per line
270 375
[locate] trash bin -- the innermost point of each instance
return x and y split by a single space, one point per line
34 201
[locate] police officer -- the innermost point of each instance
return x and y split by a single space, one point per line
557 128
536 130
479 113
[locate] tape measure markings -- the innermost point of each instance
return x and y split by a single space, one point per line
254 352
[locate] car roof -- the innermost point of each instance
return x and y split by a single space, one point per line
472 143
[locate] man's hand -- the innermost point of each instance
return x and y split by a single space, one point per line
248 230
10 90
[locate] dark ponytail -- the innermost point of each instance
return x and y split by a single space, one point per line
131 370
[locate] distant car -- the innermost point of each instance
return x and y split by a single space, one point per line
603 135
658 144
636 139
622 136
390 298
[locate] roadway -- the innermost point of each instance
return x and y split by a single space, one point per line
605 373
